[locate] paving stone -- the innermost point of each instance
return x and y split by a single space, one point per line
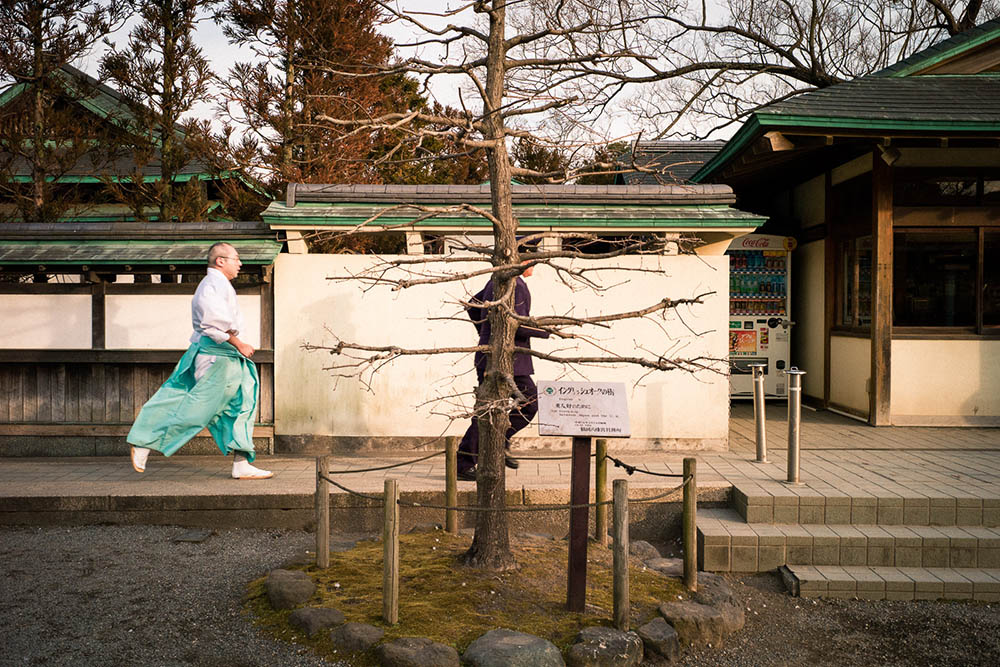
942 512
916 511
786 513
744 559
864 511
868 584
759 514
812 514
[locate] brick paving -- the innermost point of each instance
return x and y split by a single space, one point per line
849 471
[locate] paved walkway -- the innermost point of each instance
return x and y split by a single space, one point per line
839 456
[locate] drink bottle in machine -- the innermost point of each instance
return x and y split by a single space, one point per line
759 318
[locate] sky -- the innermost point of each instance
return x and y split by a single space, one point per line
615 125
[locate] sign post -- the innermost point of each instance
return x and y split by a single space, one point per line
581 410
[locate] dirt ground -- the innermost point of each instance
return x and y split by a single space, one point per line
783 630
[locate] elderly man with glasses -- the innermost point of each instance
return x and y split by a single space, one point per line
215 383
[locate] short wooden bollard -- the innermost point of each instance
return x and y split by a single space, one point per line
601 491
322 512
390 554
451 483
690 524
620 555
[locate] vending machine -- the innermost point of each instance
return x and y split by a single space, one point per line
759 312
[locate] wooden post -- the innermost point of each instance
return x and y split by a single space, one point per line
579 518
690 524
322 512
451 483
390 554
620 554
881 327
601 493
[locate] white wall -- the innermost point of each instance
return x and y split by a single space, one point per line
944 378
45 321
850 368
152 322
809 202
808 273
414 396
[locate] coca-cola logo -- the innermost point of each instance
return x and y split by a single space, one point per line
756 243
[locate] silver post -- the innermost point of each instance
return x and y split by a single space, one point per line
794 417
758 409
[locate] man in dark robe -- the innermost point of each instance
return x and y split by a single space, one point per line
522 413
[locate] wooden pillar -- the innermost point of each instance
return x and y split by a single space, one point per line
98 294
881 328
829 283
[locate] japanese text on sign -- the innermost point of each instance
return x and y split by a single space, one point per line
583 408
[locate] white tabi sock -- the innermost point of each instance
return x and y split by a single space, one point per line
139 456
243 469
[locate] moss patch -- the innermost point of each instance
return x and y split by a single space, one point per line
453 604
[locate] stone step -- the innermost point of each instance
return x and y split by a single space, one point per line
726 543
774 502
893 583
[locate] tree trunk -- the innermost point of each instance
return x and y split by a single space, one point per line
38 175
491 544
168 114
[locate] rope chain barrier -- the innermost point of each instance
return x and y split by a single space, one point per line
631 469
473 508
474 456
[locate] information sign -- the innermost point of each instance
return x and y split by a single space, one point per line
597 409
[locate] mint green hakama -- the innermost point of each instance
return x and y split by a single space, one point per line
224 400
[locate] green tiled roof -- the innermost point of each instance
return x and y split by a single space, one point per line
943 50
143 251
278 215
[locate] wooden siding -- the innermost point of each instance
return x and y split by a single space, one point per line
92 393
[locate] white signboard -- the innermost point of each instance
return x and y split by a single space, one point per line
597 409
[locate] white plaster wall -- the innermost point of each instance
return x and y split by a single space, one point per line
945 378
807 312
809 202
45 321
414 396
151 322
850 368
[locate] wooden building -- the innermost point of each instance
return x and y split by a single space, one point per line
82 351
891 184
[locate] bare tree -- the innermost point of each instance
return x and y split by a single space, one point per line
40 130
163 75
533 69
716 64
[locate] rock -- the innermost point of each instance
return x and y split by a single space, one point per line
507 648
643 550
425 528
356 636
605 647
659 640
671 567
715 591
311 620
696 624
417 652
288 588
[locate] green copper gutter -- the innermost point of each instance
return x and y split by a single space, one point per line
760 122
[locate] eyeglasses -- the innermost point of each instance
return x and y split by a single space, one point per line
227 257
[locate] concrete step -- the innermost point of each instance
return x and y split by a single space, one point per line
774 502
893 583
726 543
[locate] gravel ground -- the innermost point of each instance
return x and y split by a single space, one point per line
131 595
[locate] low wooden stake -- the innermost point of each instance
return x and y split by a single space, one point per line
390 554
620 555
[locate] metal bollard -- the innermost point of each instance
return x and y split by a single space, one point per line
794 418
758 409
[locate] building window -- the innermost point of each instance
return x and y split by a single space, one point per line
918 187
942 278
934 277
